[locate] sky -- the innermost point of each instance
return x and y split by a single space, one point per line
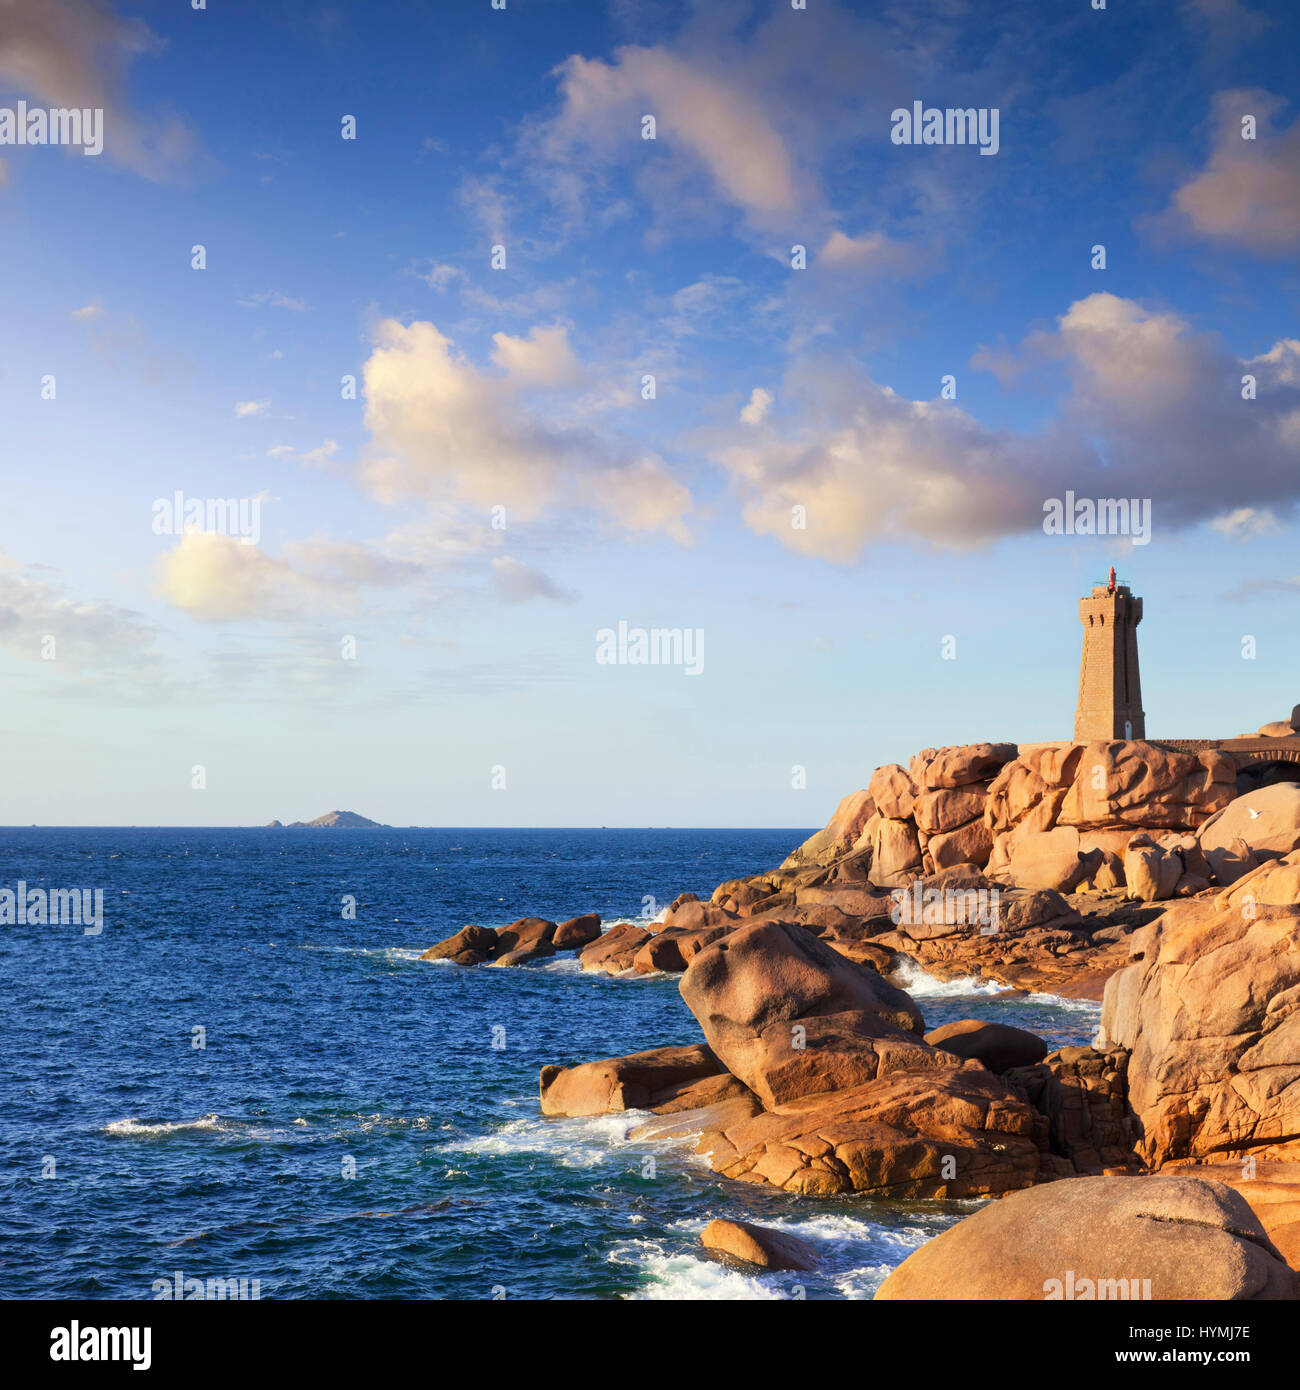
490 372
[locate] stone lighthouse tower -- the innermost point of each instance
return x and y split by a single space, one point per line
1110 691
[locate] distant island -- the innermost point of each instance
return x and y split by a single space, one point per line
331 820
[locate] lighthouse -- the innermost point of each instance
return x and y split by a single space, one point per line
1110 689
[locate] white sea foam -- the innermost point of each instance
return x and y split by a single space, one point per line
908 975
1073 1006
583 1142
562 965
682 1276
391 953
133 1128
857 1255
140 1129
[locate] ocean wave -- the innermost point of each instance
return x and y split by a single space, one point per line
141 1129
391 953
563 965
681 1276
582 1142
910 976
1073 1006
133 1128
856 1255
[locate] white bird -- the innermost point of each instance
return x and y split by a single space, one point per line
1254 814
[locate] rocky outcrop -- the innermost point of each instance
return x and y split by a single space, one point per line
1081 1099
641 1081
577 932
470 946
789 1016
841 833
895 847
936 1130
959 923
1210 1012
526 932
615 950
930 816
758 1245
1110 785
1051 859
1102 1238
853 1098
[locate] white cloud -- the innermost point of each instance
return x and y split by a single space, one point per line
872 253
243 409
76 53
219 578
1153 410
1249 193
87 636
760 402
702 110
1245 523
441 427
323 453
439 276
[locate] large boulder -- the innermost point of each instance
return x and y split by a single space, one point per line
891 791
1267 821
526 932
895 852
663 952
1052 859
1102 1238
968 844
997 1046
635 1082
790 1016
1152 873
944 809
687 913
1210 1012
961 766
471 945
759 1245
577 932
525 955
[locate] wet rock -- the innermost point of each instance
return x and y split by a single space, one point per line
759 1245
636 1082
471 945
577 932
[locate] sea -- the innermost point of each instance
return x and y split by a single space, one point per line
248 1075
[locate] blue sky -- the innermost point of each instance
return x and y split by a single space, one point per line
521 388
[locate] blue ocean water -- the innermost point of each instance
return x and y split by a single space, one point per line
358 1123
